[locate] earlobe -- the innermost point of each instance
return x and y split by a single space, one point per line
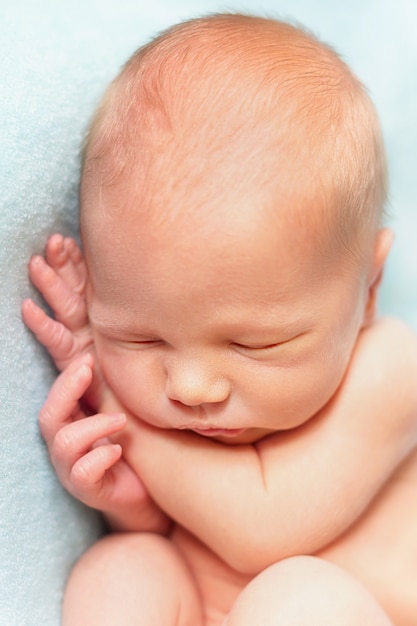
381 250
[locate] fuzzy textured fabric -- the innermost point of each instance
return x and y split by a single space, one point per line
55 60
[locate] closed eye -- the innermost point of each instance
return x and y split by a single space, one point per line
264 349
134 343
256 350
268 346
146 343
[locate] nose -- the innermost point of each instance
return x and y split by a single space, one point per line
193 383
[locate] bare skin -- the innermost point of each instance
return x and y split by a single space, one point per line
228 397
218 583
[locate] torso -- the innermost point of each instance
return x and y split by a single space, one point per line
380 550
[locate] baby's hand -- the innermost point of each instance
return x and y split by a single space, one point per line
61 278
86 461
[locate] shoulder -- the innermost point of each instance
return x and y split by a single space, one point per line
387 352
387 349
392 326
389 337
381 380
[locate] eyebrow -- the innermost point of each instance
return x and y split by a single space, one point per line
122 328
243 327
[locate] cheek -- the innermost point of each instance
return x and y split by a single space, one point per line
132 378
288 397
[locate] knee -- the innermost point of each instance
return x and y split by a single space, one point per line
124 552
129 574
118 561
306 590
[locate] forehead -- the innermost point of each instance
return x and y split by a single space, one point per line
235 245
186 183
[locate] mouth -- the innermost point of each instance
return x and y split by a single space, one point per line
219 432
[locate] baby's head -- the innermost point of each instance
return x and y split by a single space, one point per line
231 200
230 103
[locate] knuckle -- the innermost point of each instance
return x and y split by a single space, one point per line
81 481
83 340
75 309
64 443
80 477
50 277
81 282
55 331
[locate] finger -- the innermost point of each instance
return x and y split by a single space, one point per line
57 339
76 439
69 307
88 472
63 398
74 252
64 256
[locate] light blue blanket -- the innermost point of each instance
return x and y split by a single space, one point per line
55 60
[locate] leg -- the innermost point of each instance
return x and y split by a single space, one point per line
129 579
305 591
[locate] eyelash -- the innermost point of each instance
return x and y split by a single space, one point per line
240 347
145 342
260 348
132 344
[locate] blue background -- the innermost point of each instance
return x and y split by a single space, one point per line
55 60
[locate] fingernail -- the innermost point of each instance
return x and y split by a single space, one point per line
56 238
81 372
117 418
40 263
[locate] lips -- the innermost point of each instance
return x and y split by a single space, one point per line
219 432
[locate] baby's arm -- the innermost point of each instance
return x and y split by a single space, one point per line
296 491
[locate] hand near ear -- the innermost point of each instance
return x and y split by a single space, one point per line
61 278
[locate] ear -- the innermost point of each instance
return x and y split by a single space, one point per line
381 249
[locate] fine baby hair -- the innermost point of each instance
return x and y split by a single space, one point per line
235 88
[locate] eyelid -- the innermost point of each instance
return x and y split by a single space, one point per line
129 338
259 347
265 347
143 341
